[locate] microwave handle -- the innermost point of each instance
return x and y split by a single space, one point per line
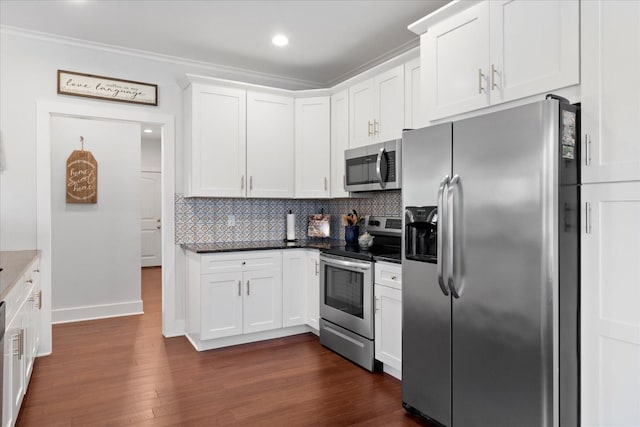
379 168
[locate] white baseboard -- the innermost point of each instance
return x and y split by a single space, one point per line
246 338
92 312
394 372
177 331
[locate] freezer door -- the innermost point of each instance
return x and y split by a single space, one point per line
426 330
505 234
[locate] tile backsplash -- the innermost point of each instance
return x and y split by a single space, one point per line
205 220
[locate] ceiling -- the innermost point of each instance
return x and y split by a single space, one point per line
330 41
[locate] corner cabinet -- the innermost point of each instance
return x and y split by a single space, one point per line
512 49
215 141
294 287
238 143
270 145
312 147
376 108
388 317
610 90
339 142
313 290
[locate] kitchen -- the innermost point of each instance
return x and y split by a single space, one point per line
615 162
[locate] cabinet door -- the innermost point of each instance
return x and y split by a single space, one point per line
388 326
312 147
215 155
414 117
14 369
294 287
361 114
339 142
610 291
262 300
388 89
270 145
610 90
221 305
455 62
313 289
534 47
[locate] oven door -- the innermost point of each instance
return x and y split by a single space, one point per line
346 293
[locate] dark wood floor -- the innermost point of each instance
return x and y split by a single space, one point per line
122 371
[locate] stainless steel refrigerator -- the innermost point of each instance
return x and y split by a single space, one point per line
490 268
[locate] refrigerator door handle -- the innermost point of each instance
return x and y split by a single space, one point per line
452 195
442 189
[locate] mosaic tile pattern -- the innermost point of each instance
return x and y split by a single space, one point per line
204 220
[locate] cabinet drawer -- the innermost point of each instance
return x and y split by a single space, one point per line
388 274
216 263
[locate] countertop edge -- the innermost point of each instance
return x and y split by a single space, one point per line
14 268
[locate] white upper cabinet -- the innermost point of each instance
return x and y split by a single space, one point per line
534 47
312 147
215 141
498 51
610 91
414 117
269 145
376 108
339 142
453 54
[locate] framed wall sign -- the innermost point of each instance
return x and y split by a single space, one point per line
100 87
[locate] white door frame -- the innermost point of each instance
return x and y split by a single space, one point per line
44 111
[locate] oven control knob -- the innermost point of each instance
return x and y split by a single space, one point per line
374 223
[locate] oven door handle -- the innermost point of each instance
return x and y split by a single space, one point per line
348 264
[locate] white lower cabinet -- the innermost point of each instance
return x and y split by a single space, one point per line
21 340
610 294
313 290
294 287
233 294
388 317
240 297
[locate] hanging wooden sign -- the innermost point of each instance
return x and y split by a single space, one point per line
82 177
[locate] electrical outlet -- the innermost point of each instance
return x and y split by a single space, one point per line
231 221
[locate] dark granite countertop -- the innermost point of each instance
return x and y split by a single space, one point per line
204 248
14 264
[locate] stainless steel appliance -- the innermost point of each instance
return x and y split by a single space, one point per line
346 291
374 167
2 327
490 313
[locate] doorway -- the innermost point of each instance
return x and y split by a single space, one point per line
45 111
150 196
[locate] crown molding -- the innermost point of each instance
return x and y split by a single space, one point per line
224 70
381 59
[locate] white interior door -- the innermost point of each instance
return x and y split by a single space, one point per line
150 219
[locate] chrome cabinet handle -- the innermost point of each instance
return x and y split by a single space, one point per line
480 77
251 182
344 182
39 305
379 168
587 149
394 277
242 182
376 127
451 199
493 78
15 351
248 288
587 219
325 183
239 288
369 126
441 227
376 305
317 268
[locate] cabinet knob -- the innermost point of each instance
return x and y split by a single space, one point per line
376 127
394 277
244 262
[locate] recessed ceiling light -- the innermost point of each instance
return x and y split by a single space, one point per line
280 40
148 131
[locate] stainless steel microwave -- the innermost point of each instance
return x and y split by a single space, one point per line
374 167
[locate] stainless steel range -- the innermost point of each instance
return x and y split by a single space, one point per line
346 291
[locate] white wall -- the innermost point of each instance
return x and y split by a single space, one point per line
96 247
